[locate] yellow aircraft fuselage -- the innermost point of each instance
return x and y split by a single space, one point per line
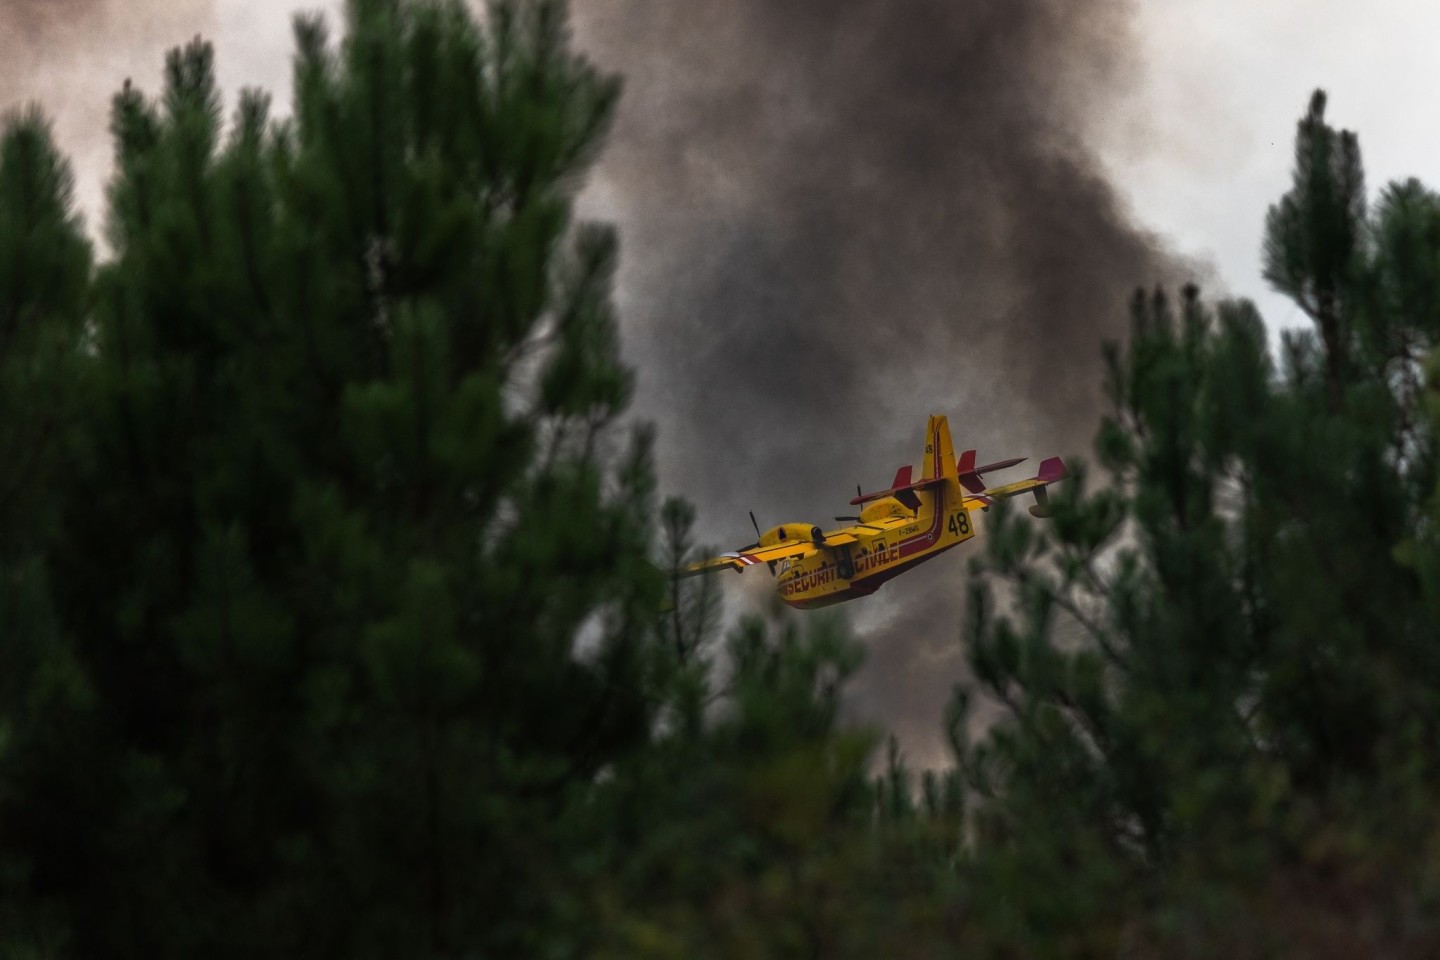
884 548
897 529
888 539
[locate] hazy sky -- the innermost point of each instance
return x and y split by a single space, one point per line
1203 144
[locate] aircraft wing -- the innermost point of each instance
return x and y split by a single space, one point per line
748 557
1051 471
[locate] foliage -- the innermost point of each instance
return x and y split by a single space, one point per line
44 267
355 574
1222 672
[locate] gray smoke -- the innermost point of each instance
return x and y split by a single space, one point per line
840 217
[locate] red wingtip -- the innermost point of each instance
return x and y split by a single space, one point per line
966 463
902 477
1052 469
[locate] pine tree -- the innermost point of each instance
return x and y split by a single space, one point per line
1228 653
354 564
44 383
1314 236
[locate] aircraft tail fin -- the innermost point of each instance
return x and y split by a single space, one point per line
955 479
939 452
937 467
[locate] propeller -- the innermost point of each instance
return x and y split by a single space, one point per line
842 519
756 525
752 546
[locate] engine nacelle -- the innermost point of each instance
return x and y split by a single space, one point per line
791 531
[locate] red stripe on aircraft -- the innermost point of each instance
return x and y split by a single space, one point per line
921 540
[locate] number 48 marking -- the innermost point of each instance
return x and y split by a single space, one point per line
960 524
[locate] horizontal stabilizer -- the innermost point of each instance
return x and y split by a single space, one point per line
1051 471
902 489
970 474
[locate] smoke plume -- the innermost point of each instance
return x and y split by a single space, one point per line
840 217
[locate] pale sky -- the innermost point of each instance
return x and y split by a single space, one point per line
1205 145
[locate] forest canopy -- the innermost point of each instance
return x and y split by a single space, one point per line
334 608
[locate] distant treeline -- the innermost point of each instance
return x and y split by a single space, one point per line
334 609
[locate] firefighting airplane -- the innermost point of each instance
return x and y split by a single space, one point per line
897 529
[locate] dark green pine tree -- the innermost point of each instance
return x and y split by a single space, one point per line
349 559
1222 669
45 378
1314 237
740 830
